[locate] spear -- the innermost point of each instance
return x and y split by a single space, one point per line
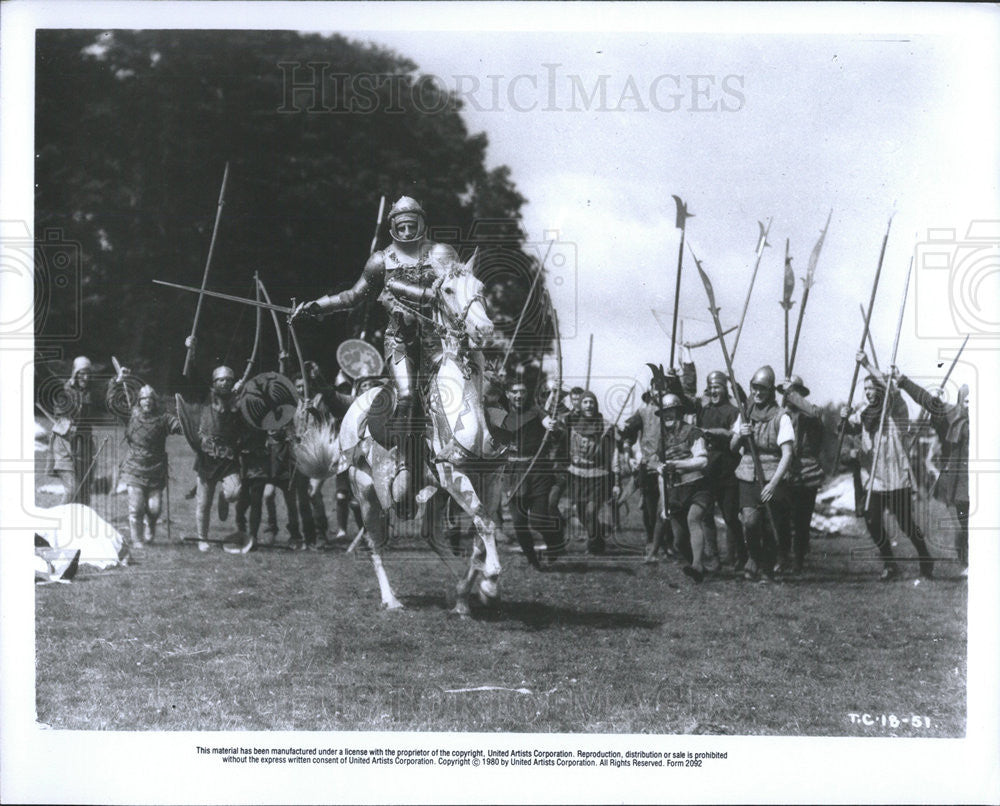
208 263
371 251
888 389
590 355
924 414
681 223
807 283
864 336
786 301
524 308
743 404
761 245
871 343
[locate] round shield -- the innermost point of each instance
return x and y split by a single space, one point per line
268 401
358 358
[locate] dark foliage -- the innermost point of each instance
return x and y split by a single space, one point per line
133 130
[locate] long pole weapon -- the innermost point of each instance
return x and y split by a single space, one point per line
371 251
590 356
864 336
79 485
761 245
888 390
681 223
553 401
807 283
758 469
786 300
871 342
524 308
267 306
924 414
208 264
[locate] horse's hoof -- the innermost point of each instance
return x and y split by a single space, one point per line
489 592
461 609
395 604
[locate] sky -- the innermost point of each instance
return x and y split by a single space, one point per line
744 128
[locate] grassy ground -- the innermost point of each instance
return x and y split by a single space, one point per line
296 641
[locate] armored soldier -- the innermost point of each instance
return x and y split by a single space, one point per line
892 485
407 269
771 429
805 475
144 470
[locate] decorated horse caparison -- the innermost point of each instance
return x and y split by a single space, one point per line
464 459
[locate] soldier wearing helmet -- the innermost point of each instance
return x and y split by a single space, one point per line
771 430
805 475
892 485
716 416
216 433
685 495
71 446
397 274
144 470
644 428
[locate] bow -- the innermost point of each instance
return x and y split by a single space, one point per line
282 352
256 333
554 397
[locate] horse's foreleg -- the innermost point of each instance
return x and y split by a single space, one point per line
374 534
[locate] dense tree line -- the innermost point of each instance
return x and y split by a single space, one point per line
132 132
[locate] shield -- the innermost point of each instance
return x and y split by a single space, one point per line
359 359
268 401
188 416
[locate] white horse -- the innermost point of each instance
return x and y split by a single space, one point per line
466 458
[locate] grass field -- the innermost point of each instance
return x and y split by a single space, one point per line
279 640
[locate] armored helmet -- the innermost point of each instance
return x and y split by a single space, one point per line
147 391
717 378
763 377
407 209
670 401
794 382
221 373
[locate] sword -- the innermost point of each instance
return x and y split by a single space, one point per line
230 297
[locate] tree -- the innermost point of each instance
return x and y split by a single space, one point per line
133 129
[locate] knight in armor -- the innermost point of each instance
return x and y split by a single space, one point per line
685 494
144 470
892 486
806 475
772 433
405 277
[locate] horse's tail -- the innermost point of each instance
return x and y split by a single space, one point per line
318 452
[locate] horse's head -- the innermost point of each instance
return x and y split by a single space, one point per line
463 303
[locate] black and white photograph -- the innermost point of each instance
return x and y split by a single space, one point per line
499 402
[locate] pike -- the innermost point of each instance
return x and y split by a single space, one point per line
371 251
524 307
267 306
871 343
681 223
888 389
621 411
924 414
758 469
762 244
590 355
208 264
864 336
807 283
786 300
